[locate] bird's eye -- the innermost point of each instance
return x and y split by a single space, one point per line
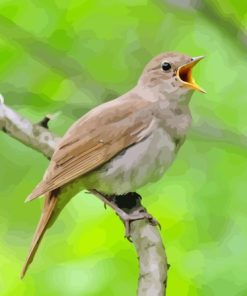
166 66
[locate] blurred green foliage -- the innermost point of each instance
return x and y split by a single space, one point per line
72 55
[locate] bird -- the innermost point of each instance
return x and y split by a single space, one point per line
123 144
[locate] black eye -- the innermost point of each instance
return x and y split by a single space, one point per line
166 66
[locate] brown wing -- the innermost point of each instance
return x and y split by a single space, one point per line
94 139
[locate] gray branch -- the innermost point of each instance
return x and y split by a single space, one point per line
152 259
146 237
32 135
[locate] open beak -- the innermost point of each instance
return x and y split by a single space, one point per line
184 74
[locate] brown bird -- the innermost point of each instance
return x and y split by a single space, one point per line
123 144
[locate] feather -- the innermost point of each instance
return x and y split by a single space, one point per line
44 223
89 144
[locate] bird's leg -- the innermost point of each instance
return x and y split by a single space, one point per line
130 203
127 207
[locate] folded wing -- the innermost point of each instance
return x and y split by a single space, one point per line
94 139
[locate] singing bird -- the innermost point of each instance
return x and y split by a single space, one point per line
123 144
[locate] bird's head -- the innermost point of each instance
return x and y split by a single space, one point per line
172 73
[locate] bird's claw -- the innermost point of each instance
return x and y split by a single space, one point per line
128 218
154 222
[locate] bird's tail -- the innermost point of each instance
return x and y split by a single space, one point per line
46 217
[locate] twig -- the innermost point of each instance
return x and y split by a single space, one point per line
44 122
146 237
47 118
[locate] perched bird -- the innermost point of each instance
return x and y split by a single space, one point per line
123 144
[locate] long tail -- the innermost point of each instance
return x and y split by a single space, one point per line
47 214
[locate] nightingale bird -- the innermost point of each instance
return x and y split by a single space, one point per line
123 144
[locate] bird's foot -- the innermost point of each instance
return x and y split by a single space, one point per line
127 218
128 208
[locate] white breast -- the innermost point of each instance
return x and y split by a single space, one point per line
137 165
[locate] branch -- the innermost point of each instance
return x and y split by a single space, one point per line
152 259
32 135
146 237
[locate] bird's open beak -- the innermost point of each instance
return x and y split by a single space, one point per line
184 74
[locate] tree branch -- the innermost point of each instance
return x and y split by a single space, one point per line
146 237
152 259
32 135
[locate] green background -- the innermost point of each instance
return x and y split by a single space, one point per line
71 56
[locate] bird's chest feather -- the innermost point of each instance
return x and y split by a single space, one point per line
137 165
176 120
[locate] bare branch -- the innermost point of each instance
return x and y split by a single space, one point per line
152 259
32 135
146 237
